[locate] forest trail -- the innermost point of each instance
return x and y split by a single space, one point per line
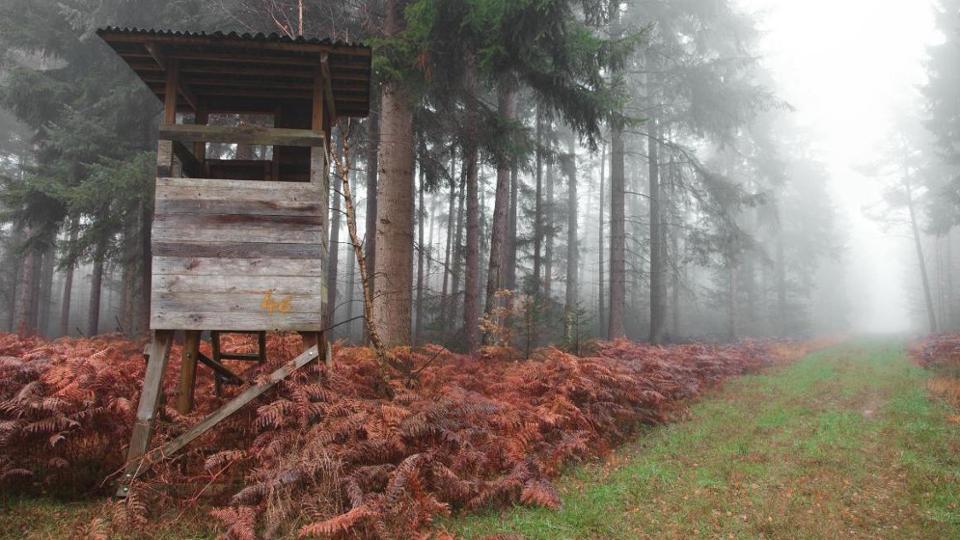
844 443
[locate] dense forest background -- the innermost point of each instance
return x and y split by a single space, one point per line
533 172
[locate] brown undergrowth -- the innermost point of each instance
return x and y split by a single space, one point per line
941 354
324 454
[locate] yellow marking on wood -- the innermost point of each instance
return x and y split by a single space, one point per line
270 305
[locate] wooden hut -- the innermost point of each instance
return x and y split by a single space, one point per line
239 236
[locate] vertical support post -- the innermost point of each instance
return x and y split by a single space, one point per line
215 344
318 121
309 339
164 169
262 347
275 163
147 408
200 147
215 351
165 148
318 175
188 371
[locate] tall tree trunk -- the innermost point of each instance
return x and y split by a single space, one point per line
496 278
13 261
948 270
618 270
96 282
421 217
448 252
25 316
573 250
351 294
373 170
146 252
731 301
781 286
394 243
548 230
601 307
431 254
46 290
675 284
914 225
657 282
674 235
457 254
511 240
334 264
637 296
538 208
127 305
128 278
35 295
471 300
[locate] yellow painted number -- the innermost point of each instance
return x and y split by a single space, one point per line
272 306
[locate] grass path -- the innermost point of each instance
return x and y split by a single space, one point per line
845 443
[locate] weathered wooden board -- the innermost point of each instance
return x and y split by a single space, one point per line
238 255
242 193
218 220
242 135
285 207
279 190
304 322
236 228
282 195
267 302
217 266
240 250
238 284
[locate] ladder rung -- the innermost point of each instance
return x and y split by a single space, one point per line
238 356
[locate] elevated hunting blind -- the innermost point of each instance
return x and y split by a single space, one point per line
239 236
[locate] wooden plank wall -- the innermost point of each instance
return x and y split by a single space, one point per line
238 255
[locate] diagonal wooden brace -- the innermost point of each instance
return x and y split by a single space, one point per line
220 371
139 463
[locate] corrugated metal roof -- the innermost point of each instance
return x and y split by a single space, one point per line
232 36
246 70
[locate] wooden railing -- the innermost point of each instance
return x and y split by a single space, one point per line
242 135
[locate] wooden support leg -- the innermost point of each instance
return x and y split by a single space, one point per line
224 411
215 344
320 340
147 409
188 371
326 353
309 339
262 346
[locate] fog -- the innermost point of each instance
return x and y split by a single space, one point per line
849 67
766 150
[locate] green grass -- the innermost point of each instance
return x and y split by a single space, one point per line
845 443
42 518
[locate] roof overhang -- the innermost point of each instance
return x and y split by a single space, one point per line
246 72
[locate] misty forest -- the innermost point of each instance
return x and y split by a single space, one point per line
479 269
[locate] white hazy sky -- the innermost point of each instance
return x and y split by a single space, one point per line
847 66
